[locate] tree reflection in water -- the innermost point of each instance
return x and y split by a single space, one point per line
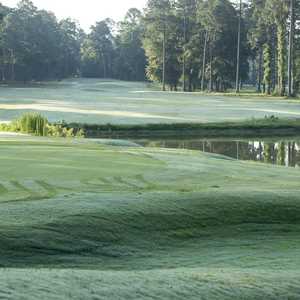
281 152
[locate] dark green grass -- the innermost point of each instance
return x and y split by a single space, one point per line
81 220
269 126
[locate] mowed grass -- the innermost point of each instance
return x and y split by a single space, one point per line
96 101
84 220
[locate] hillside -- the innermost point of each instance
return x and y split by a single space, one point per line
80 219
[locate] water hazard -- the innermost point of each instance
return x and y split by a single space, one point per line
275 151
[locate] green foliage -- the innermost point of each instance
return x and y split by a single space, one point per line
220 21
36 124
270 125
166 43
121 56
130 61
100 43
267 67
281 46
269 20
161 43
296 56
32 123
36 46
280 12
183 24
61 130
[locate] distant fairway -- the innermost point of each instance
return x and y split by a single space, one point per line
83 220
116 102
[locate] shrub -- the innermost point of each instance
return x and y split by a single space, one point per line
4 127
32 123
59 130
35 123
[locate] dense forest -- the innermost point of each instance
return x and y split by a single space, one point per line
210 45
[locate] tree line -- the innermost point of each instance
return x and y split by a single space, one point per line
35 46
219 44
211 45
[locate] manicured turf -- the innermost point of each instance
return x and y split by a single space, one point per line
83 220
102 101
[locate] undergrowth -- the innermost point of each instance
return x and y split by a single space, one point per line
36 124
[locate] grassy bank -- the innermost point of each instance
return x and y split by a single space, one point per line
249 128
36 124
80 219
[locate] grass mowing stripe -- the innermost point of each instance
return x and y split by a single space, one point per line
3 189
130 103
167 224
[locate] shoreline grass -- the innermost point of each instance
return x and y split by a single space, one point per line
255 127
269 126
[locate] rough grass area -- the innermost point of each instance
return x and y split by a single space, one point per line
36 124
107 101
271 126
84 220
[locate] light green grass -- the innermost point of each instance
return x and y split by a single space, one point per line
107 101
84 220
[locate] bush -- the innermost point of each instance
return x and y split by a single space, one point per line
60 130
32 123
36 124
5 127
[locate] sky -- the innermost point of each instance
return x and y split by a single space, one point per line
87 12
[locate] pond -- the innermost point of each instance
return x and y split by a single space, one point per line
285 152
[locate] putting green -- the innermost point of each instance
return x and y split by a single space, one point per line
117 102
84 220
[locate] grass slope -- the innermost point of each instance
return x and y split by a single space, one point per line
247 128
108 101
83 220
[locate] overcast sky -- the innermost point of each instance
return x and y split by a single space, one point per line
87 12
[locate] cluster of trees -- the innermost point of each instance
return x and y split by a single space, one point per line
34 45
121 55
274 38
195 44
199 41
217 44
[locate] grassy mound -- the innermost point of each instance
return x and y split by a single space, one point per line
79 219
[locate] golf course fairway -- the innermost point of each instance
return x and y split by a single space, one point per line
103 101
84 219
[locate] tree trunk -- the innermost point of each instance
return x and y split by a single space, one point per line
3 65
267 68
12 61
237 84
204 61
183 57
260 69
104 64
291 50
281 59
164 61
210 71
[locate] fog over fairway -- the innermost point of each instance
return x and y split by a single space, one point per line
118 102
